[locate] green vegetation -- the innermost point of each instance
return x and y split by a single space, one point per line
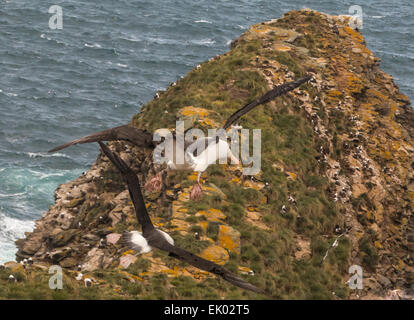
368 252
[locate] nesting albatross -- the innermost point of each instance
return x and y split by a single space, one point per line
192 160
154 238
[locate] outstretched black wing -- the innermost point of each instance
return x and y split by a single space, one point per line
134 190
138 137
156 240
203 264
268 96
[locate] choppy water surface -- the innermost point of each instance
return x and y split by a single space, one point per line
109 59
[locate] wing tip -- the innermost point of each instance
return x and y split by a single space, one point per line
126 237
56 149
241 283
64 146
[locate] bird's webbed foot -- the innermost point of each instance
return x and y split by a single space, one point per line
154 184
196 192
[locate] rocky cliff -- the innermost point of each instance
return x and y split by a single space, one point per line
336 187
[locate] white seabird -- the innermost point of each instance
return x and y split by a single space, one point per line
136 241
216 150
88 282
102 243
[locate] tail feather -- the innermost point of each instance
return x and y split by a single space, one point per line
128 241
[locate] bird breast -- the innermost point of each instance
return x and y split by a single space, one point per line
211 155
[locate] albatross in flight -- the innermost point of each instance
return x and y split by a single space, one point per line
217 147
154 238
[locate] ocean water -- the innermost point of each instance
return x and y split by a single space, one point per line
108 60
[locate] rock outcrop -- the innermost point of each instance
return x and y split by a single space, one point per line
337 158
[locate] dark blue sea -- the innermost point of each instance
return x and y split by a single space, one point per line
109 59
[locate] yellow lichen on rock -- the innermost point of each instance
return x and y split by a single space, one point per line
244 270
355 84
229 238
192 114
291 175
193 111
356 36
130 277
214 215
281 47
216 254
204 224
253 185
128 252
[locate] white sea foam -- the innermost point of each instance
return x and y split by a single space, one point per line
12 195
203 42
378 17
162 40
202 21
132 38
122 65
43 175
94 45
46 155
11 230
43 36
9 94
